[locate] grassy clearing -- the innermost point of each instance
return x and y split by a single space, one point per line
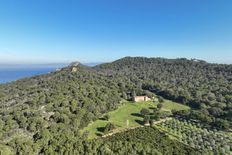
128 113
169 105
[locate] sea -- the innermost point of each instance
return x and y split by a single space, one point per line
9 73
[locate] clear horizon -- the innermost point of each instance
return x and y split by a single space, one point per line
53 64
46 32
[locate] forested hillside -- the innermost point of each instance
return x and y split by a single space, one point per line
201 85
43 114
45 111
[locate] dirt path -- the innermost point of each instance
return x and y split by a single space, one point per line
163 120
134 127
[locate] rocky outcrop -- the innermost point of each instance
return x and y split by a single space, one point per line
74 69
73 66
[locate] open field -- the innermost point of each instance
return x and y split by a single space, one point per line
127 116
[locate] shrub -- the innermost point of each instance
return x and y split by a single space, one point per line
109 127
144 112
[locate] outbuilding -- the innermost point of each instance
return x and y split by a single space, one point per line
141 98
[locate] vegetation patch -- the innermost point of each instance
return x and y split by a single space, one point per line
128 115
146 140
5 150
194 135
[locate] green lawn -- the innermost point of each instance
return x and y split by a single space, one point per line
169 105
128 113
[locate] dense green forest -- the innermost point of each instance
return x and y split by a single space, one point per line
201 85
44 114
145 140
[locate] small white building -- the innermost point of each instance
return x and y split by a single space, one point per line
141 98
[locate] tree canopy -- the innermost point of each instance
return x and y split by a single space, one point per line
44 114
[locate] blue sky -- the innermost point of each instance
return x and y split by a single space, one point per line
60 31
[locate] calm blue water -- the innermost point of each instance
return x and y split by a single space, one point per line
8 75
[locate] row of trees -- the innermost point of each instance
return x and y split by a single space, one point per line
192 134
207 120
